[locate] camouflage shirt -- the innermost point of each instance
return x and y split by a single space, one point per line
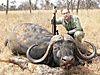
71 26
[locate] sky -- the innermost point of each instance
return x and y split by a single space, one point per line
4 1
19 1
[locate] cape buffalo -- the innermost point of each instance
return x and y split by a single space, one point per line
41 46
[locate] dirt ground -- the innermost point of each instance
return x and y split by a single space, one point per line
90 21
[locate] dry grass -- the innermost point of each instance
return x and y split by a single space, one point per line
90 21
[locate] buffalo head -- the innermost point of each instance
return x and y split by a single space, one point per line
65 51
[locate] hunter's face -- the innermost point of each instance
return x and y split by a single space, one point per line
65 13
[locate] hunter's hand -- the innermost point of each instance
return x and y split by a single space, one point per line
67 33
54 11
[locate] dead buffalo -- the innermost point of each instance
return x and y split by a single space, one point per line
41 46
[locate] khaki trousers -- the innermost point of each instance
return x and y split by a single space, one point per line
78 35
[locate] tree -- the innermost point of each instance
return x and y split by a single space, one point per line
68 4
35 7
7 7
47 5
30 5
77 6
13 5
71 5
2 7
24 5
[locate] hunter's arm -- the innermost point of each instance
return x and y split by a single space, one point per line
58 21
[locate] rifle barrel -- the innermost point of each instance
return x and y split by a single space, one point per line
54 24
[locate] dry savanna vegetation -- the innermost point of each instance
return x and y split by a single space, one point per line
90 21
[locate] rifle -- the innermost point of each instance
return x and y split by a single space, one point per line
54 30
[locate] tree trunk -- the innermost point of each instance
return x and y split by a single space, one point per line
30 5
7 7
68 5
71 6
77 6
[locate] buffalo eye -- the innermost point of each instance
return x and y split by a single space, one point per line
56 48
69 41
57 45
